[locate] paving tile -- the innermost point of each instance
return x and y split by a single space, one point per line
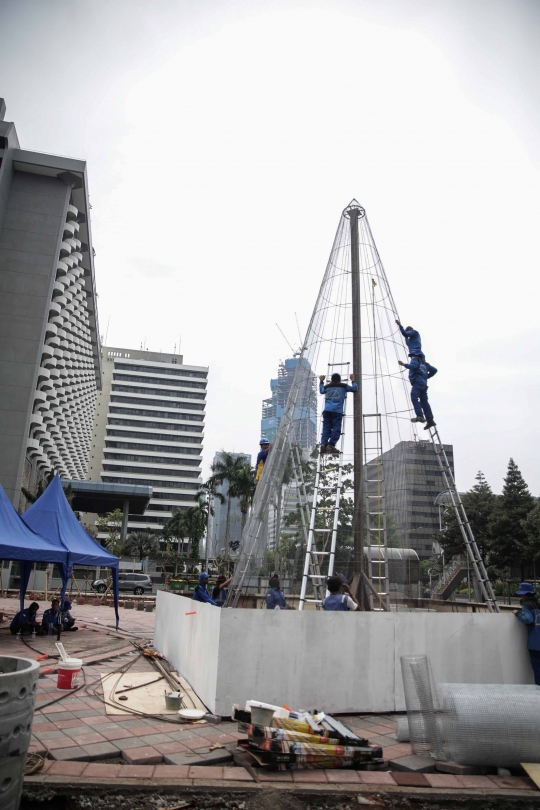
475 782
67 768
44 727
513 782
101 750
221 739
130 743
56 745
136 772
73 723
88 738
204 731
102 770
166 728
238 774
382 730
342 776
96 720
409 779
142 756
115 733
170 748
275 776
375 778
51 735
63 754
443 780
385 742
171 772
150 739
414 763
309 776
205 772
455 768
398 750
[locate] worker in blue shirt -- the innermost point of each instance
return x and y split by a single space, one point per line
334 399
419 373
200 594
25 621
529 614
413 340
52 617
275 598
261 458
68 620
340 597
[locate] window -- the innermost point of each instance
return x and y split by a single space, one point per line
191 462
151 482
131 434
193 451
165 414
151 471
177 372
131 389
158 381
162 425
134 401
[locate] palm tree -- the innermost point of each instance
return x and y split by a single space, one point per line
225 471
141 544
243 488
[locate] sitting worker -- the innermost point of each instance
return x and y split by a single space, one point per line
219 592
529 614
419 373
52 618
334 400
341 597
261 458
200 594
275 598
25 622
413 340
68 621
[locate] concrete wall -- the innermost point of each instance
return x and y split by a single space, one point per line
340 662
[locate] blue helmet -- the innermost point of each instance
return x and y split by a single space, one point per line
202 576
264 440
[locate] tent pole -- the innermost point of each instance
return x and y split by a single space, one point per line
125 515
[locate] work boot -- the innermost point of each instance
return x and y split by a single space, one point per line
333 450
324 449
430 424
418 419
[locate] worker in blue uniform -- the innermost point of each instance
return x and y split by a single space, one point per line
341 597
200 594
419 373
275 598
529 614
25 621
261 458
334 400
52 617
413 340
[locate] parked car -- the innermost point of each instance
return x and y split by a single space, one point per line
138 583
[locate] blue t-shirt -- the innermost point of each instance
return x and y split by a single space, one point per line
413 340
336 601
531 618
275 598
200 594
334 395
420 371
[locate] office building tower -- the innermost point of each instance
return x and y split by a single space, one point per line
411 480
50 366
148 429
305 413
218 521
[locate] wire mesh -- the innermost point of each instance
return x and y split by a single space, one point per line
423 709
491 724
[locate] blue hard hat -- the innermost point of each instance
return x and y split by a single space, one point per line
525 588
203 575
264 440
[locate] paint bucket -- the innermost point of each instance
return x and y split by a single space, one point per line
173 700
261 717
68 674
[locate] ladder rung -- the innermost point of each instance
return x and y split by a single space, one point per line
317 576
322 530
315 601
313 551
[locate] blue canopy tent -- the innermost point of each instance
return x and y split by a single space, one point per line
53 518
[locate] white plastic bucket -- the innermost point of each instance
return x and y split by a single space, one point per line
68 674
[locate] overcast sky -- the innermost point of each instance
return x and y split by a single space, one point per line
223 140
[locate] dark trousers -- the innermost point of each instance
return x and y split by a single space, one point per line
420 401
331 430
535 664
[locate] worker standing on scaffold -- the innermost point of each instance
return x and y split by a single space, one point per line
413 340
334 400
261 458
419 373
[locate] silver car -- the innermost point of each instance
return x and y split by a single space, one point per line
138 583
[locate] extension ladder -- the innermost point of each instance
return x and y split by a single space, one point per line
317 547
375 511
475 557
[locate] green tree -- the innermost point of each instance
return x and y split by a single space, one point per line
243 488
508 538
111 525
479 503
141 545
43 483
171 558
226 470
531 527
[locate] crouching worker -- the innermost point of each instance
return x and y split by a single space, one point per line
67 619
25 621
200 594
341 597
52 618
334 399
275 598
529 614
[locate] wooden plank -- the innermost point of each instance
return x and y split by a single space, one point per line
533 769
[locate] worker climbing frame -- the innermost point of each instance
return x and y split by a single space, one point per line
324 520
479 569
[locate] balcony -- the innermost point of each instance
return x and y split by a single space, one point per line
65 248
72 212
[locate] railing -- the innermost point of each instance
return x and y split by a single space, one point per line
449 572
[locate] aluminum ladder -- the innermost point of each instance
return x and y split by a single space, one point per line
475 557
317 551
374 495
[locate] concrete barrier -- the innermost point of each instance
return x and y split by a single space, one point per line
338 662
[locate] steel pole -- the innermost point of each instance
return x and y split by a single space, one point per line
358 528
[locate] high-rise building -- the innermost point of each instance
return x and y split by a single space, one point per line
218 521
50 366
411 480
305 413
148 429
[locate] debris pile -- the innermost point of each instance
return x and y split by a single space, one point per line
289 740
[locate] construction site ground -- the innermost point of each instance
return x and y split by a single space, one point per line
92 759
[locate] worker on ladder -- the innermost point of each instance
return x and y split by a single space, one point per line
341 597
419 373
413 340
261 458
334 400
